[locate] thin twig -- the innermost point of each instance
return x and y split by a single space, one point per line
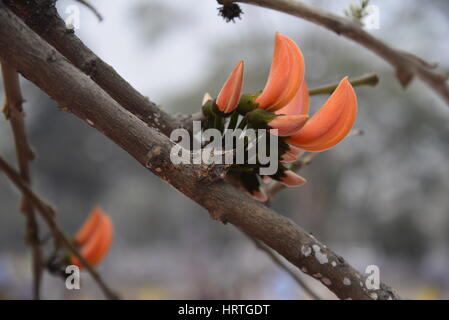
14 112
92 8
407 65
48 213
275 258
370 79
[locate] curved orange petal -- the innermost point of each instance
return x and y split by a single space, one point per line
98 244
292 179
89 226
288 125
331 123
296 77
285 77
292 154
229 96
300 102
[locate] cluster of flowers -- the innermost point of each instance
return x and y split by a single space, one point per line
282 105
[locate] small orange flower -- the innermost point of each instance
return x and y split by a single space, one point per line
285 77
229 96
331 123
286 125
94 238
292 179
292 154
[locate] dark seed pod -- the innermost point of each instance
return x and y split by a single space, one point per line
229 11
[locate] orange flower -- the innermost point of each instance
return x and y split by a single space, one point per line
94 238
89 226
229 96
300 102
286 125
331 123
286 75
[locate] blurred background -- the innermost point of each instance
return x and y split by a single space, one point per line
377 199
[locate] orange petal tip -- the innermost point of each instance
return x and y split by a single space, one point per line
229 96
98 244
292 179
285 77
331 123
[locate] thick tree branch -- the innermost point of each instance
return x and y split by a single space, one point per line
14 112
48 69
48 214
407 65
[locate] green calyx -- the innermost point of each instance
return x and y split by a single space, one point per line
207 108
259 118
219 113
246 104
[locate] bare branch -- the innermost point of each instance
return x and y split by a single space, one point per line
407 65
14 112
47 212
92 8
48 69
